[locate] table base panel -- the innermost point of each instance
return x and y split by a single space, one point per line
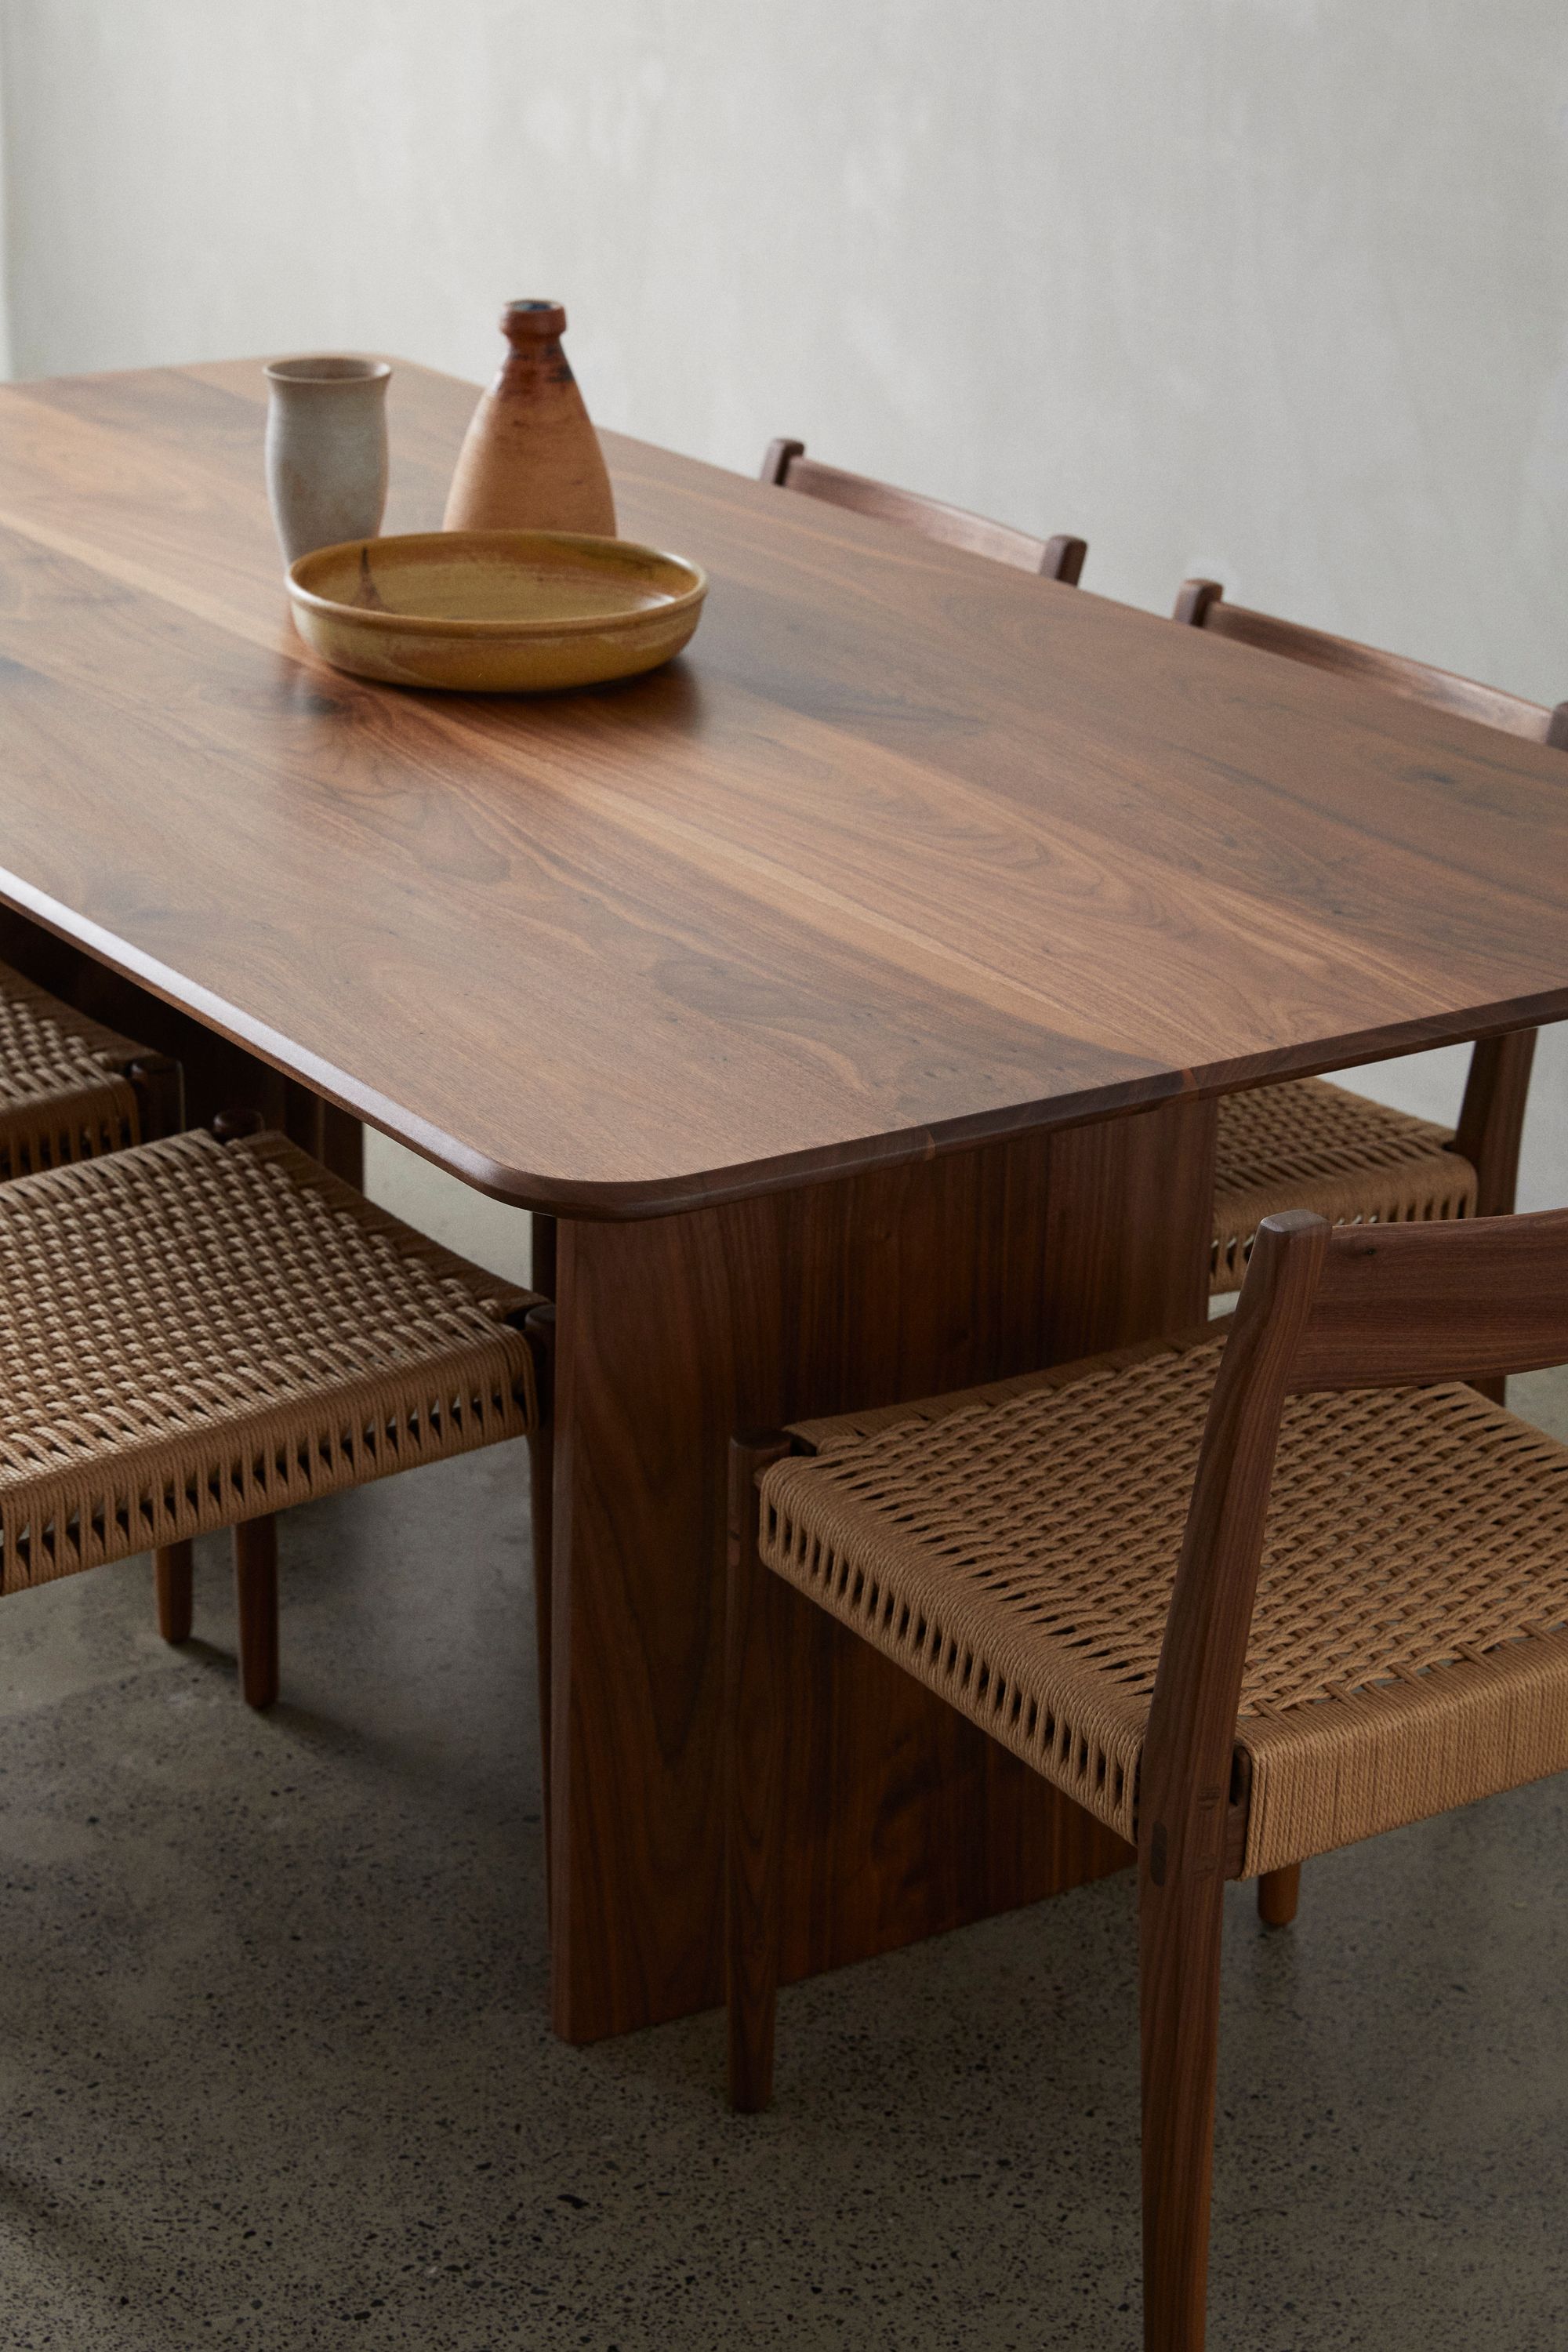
904 1821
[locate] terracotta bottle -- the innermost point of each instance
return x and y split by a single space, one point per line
532 459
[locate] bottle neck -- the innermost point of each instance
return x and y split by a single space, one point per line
536 363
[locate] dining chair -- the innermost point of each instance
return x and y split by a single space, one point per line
198 1333
1308 1144
787 466
1246 1595
71 1089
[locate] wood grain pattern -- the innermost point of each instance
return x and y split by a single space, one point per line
908 852
902 1819
1397 1305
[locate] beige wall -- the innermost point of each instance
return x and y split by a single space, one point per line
1274 289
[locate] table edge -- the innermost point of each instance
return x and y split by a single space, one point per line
684 1190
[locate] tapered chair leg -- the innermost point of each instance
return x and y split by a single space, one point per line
256 1602
755 1647
1279 1894
1179 1951
171 1583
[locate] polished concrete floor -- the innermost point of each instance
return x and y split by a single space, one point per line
275 2066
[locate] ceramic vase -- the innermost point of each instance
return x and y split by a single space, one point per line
326 450
532 459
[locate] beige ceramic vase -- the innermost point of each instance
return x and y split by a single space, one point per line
532 459
326 449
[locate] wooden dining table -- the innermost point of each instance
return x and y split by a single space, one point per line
854 995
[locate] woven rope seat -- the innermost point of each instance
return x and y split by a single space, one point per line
198 1334
1014 1549
64 1092
1310 1145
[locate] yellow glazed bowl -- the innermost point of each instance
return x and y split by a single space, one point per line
495 612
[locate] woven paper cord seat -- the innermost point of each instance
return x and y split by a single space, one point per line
1014 1549
1310 1145
66 1089
198 1334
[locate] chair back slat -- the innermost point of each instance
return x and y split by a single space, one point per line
1322 1307
1201 604
1473 1298
1061 558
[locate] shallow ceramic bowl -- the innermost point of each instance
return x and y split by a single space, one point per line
495 612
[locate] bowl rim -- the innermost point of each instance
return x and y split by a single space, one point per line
440 625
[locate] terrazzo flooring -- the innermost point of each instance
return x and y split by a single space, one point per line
276 2069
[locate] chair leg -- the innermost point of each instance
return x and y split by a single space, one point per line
541 1268
754 1714
542 1480
1179 1951
256 1601
160 1088
1491 1125
343 1145
172 1583
541 1330
1279 1894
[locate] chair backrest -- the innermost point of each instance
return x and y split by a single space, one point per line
1401 1305
1493 1118
1323 1308
1201 605
1061 558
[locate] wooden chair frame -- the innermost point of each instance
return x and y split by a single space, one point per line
255 1540
1200 604
255 1552
1321 1307
787 466
76 1130
1492 1119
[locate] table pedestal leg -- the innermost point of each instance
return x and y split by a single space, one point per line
673 1333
